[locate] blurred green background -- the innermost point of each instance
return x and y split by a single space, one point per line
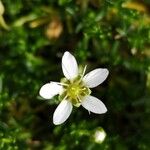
113 34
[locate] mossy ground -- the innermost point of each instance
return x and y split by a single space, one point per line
113 34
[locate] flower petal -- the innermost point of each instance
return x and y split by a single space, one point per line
95 77
93 104
69 66
49 90
62 112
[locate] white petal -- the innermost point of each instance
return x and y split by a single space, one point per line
95 77
49 90
69 66
93 104
62 112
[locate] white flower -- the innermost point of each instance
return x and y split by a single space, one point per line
74 89
99 135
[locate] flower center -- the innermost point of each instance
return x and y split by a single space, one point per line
75 91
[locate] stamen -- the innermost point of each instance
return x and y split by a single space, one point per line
65 97
83 73
83 89
63 84
79 98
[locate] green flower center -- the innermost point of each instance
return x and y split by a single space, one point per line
74 90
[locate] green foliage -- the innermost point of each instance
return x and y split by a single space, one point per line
109 34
